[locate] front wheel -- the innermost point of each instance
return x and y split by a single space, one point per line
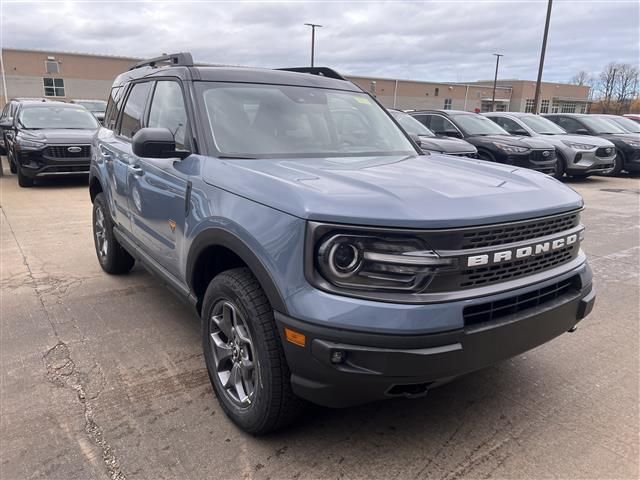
23 180
12 162
244 356
561 167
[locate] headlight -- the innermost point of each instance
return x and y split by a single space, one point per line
511 148
377 262
578 146
633 143
31 144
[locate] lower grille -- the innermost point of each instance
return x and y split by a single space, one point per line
486 312
475 277
605 152
68 151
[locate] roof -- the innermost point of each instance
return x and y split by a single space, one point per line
38 104
238 75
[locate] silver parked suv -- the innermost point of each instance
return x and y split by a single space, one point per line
578 155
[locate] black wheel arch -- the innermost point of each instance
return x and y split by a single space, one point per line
219 239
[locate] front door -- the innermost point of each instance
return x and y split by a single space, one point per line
159 186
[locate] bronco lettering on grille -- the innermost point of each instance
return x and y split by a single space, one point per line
521 252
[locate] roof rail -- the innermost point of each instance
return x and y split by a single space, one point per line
320 71
183 59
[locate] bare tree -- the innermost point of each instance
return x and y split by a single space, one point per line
607 85
626 86
582 78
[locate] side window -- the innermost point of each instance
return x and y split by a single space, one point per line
168 110
133 109
113 108
508 124
441 125
422 119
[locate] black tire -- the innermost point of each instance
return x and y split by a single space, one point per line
13 168
113 258
23 180
484 155
561 167
269 402
618 164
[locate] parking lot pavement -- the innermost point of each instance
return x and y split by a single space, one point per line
103 376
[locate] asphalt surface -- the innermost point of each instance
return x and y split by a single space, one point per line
103 376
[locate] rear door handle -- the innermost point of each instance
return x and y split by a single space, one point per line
136 170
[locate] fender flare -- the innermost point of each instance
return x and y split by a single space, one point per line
219 237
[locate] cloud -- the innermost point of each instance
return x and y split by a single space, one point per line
438 41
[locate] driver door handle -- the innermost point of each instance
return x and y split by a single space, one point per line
136 170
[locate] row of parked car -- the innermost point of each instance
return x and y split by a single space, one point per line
43 138
574 144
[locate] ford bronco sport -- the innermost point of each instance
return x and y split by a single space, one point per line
327 258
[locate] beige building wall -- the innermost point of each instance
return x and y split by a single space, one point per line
416 95
84 76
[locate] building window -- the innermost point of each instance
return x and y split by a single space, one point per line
53 87
501 107
447 104
52 66
436 92
555 108
544 106
528 107
583 108
569 107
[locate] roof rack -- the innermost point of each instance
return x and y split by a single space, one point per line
320 71
183 59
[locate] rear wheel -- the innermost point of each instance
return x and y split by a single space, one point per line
618 163
112 256
244 356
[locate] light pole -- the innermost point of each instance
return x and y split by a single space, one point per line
313 38
495 81
542 52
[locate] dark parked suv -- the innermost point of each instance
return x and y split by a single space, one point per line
493 143
627 144
327 262
49 138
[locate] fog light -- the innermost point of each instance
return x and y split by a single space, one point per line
338 356
578 157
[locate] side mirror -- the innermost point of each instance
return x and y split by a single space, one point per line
416 139
453 133
582 131
6 123
156 143
521 132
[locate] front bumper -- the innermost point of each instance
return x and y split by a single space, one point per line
632 159
533 160
376 366
38 163
586 162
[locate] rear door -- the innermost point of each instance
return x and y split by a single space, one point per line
159 186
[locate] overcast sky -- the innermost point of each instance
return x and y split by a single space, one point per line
439 41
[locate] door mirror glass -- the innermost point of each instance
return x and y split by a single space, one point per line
453 133
156 143
520 131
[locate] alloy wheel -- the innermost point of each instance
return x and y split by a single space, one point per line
100 232
232 350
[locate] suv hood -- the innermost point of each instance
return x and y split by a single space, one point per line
395 191
537 143
446 145
60 136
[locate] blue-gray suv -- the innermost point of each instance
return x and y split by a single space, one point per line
328 258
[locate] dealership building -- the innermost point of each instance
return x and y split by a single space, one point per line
65 76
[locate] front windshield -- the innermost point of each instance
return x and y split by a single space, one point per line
94 106
56 117
411 125
474 124
629 125
542 125
600 125
253 120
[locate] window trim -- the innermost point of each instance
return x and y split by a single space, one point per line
188 136
54 86
46 68
116 130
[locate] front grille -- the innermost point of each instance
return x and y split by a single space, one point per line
539 155
62 151
468 155
476 277
486 312
602 152
503 234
